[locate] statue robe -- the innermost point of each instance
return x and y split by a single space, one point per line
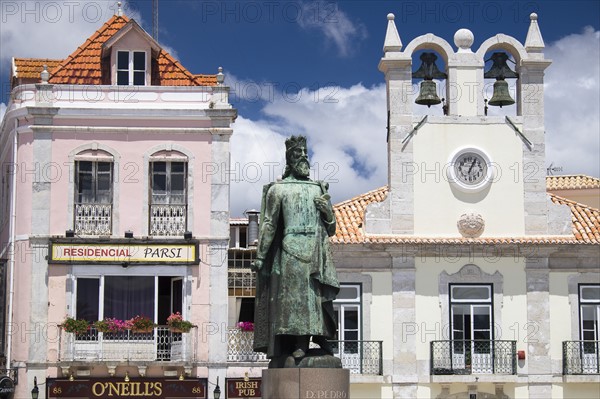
298 282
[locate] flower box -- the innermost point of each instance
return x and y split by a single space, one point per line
177 324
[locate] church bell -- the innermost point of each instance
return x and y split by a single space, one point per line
427 94
501 95
500 70
428 71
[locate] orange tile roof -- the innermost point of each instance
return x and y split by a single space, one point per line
350 218
84 65
30 68
350 214
206 80
571 182
586 220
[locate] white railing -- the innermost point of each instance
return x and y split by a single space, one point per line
168 220
239 347
93 219
160 344
360 357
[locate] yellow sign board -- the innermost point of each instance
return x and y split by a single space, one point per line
123 253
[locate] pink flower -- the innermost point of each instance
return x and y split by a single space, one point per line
246 326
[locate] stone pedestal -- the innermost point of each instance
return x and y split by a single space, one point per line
305 383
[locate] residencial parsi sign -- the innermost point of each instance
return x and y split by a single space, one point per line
121 252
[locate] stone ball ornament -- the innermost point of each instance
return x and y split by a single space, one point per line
463 39
470 225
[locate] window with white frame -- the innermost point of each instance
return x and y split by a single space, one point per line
471 321
471 312
93 197
124 297
348 307
238 237
131 68
168 198
589 305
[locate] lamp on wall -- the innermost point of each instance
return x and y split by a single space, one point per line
129 234
217 391
35 392
69 233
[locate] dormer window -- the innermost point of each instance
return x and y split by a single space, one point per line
131 68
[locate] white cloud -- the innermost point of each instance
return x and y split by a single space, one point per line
51 29
336 26
572 101
346 132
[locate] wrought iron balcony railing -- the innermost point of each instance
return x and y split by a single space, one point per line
473 357
160 344
168 220
360 357
93 219
239 347
581 357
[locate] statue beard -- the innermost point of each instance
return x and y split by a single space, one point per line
300 168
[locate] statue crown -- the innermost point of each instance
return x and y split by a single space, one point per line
295 141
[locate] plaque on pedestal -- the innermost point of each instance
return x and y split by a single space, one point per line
305 383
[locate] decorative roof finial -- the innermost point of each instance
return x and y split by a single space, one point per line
534 41
45 75
392 38
119 9
463 39
220 77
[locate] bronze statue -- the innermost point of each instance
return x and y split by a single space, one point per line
296 278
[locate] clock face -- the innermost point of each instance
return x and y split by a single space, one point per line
470 168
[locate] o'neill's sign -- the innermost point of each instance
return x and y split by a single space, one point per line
124 252
140 388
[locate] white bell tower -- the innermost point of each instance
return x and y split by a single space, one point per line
459 168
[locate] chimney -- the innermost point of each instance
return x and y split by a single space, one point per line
252 227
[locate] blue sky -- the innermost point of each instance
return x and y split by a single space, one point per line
310 67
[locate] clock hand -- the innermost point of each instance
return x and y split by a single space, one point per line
473 164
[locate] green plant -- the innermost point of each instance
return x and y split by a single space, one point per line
140 323
77 326
175 321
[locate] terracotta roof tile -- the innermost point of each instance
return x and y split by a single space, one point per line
350 218
350 214
586 220
571 182
79 67
84 65
30 68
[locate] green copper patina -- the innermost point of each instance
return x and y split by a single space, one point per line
296 278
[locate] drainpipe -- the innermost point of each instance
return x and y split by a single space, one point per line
11 254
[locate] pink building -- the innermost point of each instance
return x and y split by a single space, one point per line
113 205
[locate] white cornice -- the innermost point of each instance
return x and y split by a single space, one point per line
124 129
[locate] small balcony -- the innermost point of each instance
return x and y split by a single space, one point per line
93 219
360 357
581 357
473 357
168 220
160 344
